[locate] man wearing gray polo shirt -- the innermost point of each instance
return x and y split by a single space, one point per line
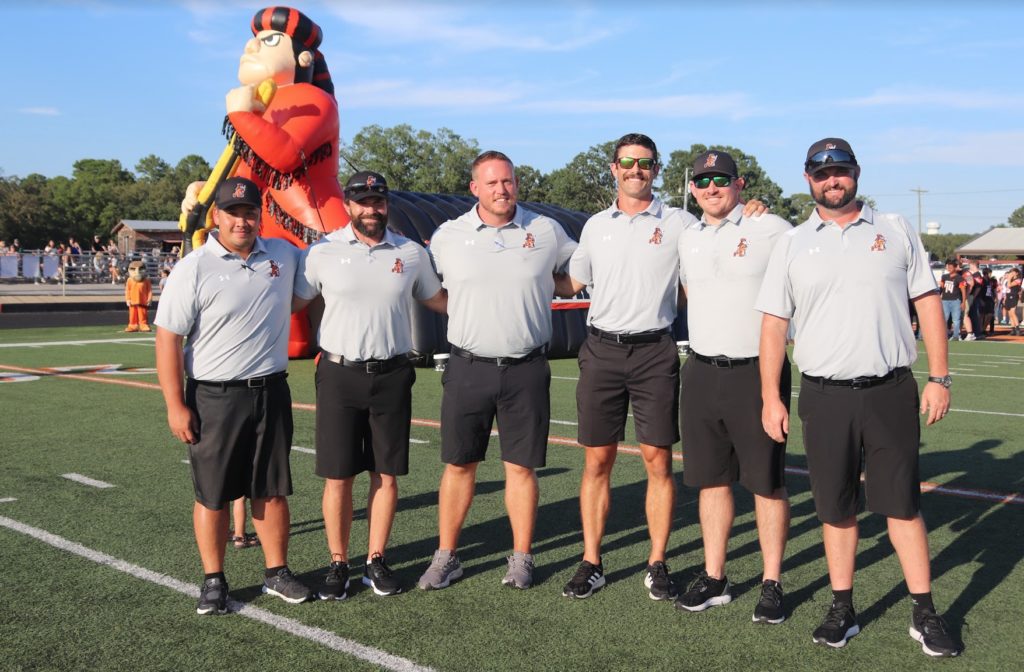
721 263
843 277
497 262
231 300
368 276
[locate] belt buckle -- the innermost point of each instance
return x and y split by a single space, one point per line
502 361
256 382
722 362
374 367
621 339
861 383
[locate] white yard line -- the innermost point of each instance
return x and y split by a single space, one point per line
5 500
85 480
42 344
288 625
308 451
418 441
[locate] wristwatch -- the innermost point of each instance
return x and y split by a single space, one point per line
946 381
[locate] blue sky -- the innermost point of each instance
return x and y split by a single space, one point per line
930 95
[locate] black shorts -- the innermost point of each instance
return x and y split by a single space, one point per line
244 440
476 392
613 375
874 431
362 420
720 418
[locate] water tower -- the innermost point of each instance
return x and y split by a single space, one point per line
932 228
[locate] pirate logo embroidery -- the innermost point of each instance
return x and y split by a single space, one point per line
711 160
239 191
656 237
879 244
830 146
529 243
741 248
399 266
275 270
370 180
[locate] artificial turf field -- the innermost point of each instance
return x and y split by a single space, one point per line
91 576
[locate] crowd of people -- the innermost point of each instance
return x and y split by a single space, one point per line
98 263
494 271
974 301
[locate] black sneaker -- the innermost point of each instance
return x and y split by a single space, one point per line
379 576
287 587
658 582
928 628
336 582
839 625
585 581
705 592
769 609
213 597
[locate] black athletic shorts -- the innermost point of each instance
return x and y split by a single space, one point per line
244 440
613 375
723 438
874 431
475 392
362 420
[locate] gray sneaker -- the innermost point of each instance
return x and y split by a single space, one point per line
287 587
444 568
520 571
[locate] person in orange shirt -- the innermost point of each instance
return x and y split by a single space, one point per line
138 293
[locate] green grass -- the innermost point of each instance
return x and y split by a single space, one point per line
60 611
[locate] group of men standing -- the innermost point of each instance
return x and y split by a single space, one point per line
494 271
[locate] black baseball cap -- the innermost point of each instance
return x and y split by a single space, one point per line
237 191
714 162
366 184
829 153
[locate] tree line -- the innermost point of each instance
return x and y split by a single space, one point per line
100 192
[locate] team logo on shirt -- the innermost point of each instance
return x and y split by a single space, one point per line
741 248
879 244
239 191
656 237
399 266
711 161
529 242
275 270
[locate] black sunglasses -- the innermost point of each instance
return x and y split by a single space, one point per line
358 189
719 180
825 157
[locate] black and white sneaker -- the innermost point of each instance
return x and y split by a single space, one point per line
213 597
658 582
585 581
769 608
287 587
379 576
336 582
936 640
705 592
840 625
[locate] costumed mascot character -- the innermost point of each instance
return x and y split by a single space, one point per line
138 293
289 145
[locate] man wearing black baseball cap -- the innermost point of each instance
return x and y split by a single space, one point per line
854 348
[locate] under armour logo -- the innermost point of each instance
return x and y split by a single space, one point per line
347 260
469 242
814 250
224 278
608 237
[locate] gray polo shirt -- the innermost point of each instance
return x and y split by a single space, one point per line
846 290
235 315
721 268
368 292
630 265
500 281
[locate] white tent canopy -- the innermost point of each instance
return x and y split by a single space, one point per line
1006 243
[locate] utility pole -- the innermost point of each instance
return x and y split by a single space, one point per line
919 191
686 188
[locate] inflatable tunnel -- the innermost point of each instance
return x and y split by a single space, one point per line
416 216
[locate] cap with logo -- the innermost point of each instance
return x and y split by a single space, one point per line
237 191
829 153
365 184
714 162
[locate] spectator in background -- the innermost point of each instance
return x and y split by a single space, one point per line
974 324
239 537
51 247
115 271
1013 284
3 247
73 247
15 246
164 274
97 244
954 298
988 301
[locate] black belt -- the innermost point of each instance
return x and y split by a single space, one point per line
858 383
259 381
629 339
500 361
368 365
724 362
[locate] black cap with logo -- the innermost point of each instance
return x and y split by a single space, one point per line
829 153
237 191
366 184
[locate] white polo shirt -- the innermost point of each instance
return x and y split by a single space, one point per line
234 314
368 292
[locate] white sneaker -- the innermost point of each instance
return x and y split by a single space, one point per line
970 337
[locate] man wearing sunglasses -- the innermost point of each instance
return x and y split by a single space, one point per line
368 276
844 277
629 260
721 263
497 262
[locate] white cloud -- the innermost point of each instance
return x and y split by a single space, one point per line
936 98
731 105
41 111
916 146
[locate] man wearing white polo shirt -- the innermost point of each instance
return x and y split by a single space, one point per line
229 303
844 277
368 276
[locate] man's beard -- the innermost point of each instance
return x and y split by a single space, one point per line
371 226
833 204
